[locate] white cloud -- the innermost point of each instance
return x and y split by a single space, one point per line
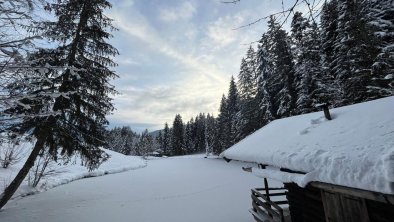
202 54
181 12
126 61
144 32
222 32
198 88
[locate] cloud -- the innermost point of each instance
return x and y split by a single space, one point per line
181 12
141 30
183 67
159 104
220 31
197 88
126 61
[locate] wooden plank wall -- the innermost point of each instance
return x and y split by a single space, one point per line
305 203
380 212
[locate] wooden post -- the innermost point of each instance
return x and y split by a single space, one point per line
267 192
326 111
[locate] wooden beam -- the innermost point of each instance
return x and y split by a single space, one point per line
270 211
259 217
271 188
258 194
385 198
247 169
277 194
291 171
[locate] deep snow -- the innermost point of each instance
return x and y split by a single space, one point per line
169 189
67 173
355 149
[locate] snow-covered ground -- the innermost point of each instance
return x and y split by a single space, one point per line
169 189
63 174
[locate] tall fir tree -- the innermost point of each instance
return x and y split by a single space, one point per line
166 139
221 129
264 99
145 143
79 110
355 51
128 137
210 128
280 83
159 140
247 76
246 121
232 109
305 40
189 142
177 140
327 88
200 133
381 19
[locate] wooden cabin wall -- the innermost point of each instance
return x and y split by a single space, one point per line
380 212
305 204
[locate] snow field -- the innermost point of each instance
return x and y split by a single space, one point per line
169 189
64 174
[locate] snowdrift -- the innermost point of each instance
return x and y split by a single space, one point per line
63 174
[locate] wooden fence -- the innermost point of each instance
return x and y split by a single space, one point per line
264 209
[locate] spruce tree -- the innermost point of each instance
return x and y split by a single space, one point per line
355 51
381 19
159 140
82 87
327 88
280 83
305 40
200 132
128 140
264 99
166 139
246 121
189 144
221 129
247 76
232 109
177 140
210 128
145 143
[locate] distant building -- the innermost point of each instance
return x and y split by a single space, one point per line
156 153
332 170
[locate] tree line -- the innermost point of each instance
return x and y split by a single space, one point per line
196 136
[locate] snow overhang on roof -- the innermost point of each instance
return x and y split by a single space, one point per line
355 149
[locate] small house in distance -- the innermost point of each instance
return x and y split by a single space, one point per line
332 170
156 153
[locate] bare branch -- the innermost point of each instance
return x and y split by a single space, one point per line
313 12
231 2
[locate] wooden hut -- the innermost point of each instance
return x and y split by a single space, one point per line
332 170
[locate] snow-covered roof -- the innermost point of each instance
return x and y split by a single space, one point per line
355 149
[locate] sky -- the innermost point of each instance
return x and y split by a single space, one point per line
177 56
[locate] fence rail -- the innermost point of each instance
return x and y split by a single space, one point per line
264 209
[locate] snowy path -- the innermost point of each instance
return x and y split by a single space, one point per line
168 190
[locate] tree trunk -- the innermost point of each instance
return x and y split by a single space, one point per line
11 189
